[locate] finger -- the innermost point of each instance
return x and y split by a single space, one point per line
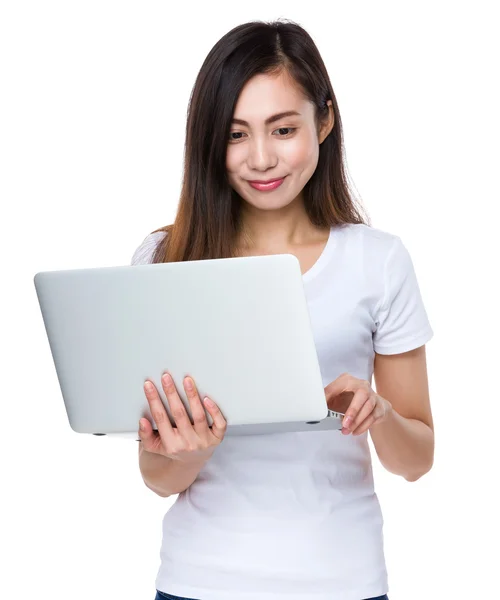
219 426
197 411
340 402
358 400
364 425
151 441
177 408
341 384
366 410
158 412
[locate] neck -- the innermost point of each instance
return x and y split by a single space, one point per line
275 229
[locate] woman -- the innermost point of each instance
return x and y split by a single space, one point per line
290 515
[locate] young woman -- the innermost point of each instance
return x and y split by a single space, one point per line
290 515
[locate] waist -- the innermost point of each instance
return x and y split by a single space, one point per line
275 551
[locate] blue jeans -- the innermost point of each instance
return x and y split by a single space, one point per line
164 596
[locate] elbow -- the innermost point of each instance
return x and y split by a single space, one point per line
416 475
425 463
162 494
413 477
158 491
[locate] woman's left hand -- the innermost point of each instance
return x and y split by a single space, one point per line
360 404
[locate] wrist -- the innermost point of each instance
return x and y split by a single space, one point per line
197 460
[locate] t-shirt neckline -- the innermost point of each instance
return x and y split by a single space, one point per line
323 258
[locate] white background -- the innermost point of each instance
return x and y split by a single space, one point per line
92 117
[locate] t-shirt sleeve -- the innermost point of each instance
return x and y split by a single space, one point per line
401 322
145 252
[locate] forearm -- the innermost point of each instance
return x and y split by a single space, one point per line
404 446
166 476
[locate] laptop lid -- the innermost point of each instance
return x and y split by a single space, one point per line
240 327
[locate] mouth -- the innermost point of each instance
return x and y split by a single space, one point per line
266 182
270 184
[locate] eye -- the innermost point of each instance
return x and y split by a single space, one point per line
285 128
232 139
239 133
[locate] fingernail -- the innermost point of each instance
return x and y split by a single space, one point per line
208 402
141 426
347 422
165 377
149 386
189 384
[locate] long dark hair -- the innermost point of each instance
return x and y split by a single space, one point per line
208 216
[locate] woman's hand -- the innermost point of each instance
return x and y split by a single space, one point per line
187 443
361 405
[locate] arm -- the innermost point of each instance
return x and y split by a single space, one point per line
192 446
166 476
404 441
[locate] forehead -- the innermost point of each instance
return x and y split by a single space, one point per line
264 95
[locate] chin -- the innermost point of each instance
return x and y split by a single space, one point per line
267 204
267 201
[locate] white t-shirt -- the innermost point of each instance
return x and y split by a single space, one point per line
295 515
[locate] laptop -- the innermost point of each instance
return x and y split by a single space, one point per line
239 326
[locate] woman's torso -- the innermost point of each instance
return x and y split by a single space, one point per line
292 513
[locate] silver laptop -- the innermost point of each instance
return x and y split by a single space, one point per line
239 326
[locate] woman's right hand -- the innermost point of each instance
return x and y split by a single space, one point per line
186 442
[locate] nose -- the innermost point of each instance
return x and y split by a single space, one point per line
261 155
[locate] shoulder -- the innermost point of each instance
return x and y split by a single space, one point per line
144 253
370 238
370 247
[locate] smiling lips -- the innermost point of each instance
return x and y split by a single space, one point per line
264 186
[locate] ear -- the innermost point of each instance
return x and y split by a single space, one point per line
327 124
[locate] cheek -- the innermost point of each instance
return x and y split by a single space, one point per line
232 170
234 158
228 161
301 153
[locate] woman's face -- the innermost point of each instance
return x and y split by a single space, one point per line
287 147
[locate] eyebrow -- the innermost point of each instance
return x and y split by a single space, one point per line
269 120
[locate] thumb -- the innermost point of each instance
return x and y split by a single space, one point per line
145 429
337 386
